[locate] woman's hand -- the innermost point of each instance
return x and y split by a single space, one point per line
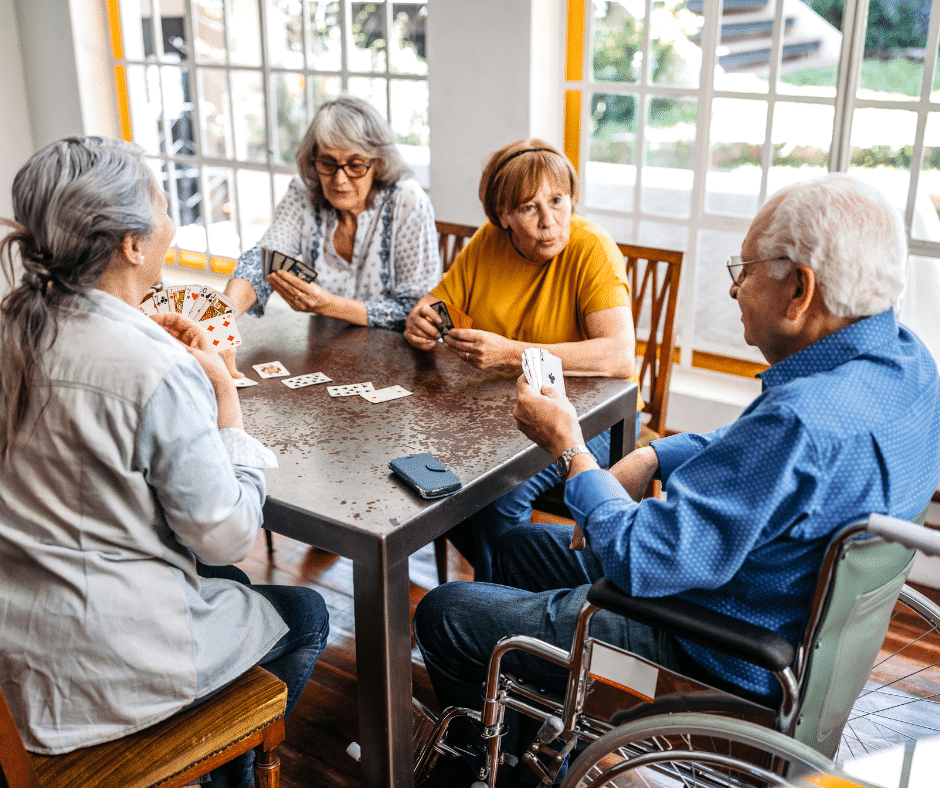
422 328
300 296
199 346
485 350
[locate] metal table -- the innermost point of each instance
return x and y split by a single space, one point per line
333 489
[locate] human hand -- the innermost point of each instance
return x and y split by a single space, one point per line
577 539
422 328
484 349
301 296
547 418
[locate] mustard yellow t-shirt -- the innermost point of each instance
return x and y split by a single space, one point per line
544 303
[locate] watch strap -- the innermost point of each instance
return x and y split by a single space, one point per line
563 463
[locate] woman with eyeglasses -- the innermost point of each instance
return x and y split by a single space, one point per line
355 216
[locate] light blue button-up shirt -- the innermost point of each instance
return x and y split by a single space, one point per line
846 427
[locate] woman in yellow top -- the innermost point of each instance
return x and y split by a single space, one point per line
535 275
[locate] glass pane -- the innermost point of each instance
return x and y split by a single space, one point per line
248 119
190 234
254 204
143 96
210 31
178 107
285 33
618 43
667 173
245 32
135 15
894 49
373 90
407 50
368 36
619 226
926 224
732 184
325 35
674 34
223 236
322 88
216 113
290 109
801 137
816 29
410 111
745 47
612 170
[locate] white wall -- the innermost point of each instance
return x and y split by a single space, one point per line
16 133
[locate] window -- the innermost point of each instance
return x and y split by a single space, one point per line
694 111
220 92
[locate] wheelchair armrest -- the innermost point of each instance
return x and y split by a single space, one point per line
703 626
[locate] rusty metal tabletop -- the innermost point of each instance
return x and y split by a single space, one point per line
334 489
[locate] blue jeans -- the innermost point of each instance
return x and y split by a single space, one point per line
538 587
291 659
477 536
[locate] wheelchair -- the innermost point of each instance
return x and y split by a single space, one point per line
625 721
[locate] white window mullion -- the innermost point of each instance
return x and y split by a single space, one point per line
854 23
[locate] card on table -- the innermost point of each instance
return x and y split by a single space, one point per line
349 389
386 394
271 369
244 383
301 381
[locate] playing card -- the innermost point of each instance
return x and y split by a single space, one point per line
177 295
300 381
460 319
161 300
266 258
384 395
303 272
446 323
222 331
349 389
243 383
196 301
271 369
552 374
219 305
147 306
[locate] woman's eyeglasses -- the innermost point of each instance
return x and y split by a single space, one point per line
353 169
736 265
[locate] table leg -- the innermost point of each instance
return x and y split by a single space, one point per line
621 442
383 669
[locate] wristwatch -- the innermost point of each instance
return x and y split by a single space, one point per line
563 463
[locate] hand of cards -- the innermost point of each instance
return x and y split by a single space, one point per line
541 368
451 317
212 310
272 261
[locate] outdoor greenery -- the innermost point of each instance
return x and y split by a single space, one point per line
900 24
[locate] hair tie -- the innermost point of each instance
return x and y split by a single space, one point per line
509 158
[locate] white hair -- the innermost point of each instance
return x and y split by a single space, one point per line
848 233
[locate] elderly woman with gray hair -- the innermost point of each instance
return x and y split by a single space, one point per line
356 216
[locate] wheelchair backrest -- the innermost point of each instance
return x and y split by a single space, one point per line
861 579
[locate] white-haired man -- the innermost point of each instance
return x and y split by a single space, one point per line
751 506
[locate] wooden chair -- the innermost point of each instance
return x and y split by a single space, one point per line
248 713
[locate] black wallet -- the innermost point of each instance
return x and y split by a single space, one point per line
428 476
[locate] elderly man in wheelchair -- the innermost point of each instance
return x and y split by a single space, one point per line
722 597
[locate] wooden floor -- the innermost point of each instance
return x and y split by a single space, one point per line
324 721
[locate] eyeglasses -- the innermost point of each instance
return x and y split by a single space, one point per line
353 169
736 265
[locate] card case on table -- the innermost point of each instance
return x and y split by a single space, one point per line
429 477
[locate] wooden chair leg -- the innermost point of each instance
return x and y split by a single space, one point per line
267 768
440 558
269 540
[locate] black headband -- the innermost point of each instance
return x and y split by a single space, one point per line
519 153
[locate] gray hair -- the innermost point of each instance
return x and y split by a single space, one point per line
848 233
352 124
74 202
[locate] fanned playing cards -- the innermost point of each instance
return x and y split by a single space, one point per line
541 368
272 260
451 317
212 310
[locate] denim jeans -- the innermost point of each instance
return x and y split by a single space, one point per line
291 659
476 536
538 587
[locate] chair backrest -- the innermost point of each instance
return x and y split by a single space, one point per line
653 275
451 238
858 586
16 770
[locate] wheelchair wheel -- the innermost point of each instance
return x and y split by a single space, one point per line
899 703
684 750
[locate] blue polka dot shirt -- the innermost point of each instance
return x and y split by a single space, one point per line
847 426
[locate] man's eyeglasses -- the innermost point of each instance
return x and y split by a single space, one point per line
736 265
353 169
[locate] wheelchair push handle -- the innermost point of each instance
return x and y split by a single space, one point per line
909 534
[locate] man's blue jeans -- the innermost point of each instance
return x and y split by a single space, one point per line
538 587
291 659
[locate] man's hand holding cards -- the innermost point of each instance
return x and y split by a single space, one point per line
211 310
541 368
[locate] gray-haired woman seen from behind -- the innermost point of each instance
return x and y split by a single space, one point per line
354 215
125 474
